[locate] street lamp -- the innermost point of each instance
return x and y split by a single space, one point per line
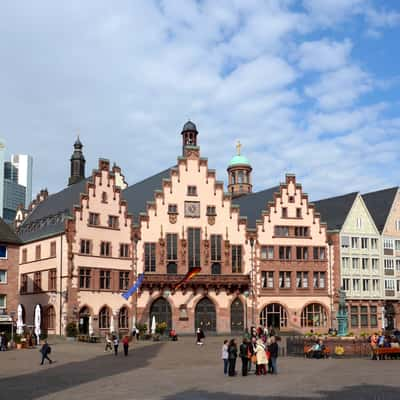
246 294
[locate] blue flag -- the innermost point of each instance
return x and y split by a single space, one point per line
135 287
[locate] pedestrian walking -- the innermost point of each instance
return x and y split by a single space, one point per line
200 336
232 355
244 355
225 357
116 344
274 349
252 353
108 344
45 351
125 343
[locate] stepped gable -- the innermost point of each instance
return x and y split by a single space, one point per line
7 235
379 204
48 217
334 210
252 205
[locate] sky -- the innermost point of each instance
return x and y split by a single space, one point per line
309 87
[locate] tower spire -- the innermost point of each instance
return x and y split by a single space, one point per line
77 163
239 173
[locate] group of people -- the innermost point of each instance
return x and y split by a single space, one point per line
317 350
113 342
260 349
380 340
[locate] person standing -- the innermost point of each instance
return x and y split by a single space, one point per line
273 349
45 351
108 344
232 355
116 344
225 357
244 355
125 343
200 336
262 361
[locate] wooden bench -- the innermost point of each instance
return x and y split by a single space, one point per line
308 352
382 352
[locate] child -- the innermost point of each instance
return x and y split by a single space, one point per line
225 356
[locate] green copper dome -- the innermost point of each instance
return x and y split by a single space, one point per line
239 160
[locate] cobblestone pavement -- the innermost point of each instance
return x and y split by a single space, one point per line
183 370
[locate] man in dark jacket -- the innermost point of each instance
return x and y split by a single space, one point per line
244 355
232 355
45 350
273 350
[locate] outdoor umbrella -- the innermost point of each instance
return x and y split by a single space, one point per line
134 323
90 326
112 329
20 322
153 325
37 323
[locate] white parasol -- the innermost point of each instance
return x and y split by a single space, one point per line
153 325
90 326
20 322
37 323
134 323
112 329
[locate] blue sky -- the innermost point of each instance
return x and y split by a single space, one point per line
309 87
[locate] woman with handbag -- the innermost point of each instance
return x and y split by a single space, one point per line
262 360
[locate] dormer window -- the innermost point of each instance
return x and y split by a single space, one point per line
172 209
192 190
211 211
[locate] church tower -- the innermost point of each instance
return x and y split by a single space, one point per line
77 164
189 136
239 174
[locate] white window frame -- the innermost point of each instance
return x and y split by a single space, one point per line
390 284
359 222
388 263
5 302
375 264
5 275
356 284
375 285
4 258
355 242
388 244
374 244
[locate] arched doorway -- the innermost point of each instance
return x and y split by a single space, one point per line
162 312
84 315
237 320
205 315
274 315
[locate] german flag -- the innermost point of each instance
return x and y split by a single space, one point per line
190 275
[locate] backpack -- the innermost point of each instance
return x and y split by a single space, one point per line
49 350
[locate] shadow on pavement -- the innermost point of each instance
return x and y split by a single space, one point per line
57 378
364 392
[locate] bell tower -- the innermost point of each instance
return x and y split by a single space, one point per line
77 164
239 174
189 136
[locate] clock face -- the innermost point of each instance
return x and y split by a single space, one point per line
192 209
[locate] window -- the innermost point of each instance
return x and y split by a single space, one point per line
215 247
193 247
105 279
285 252
104 197
150 257
3 251
354 242
37 281
365 285
319 280
398 264
94 219
359 223
398 225
104 318
192 191
345 262
355 262
291 199
267 252
172 209
37 252
389 284
211 211
345 242
285 279
364 316
302 253
24 283
24 255
172 268
373 316
388 244
52 279
267 279
375 285
298 213
84 278
113 222
398 285
85 246
301 231
346 284
313 316
389 264
284 212
365 264
354 316
53 249
236 258
364 243
123 318
124 250
374 244
356 285
3 301
105 249
282 231
123 280
172 246
3 276
216 268
375 264
49 318
302 280
319 253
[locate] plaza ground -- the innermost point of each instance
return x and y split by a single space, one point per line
182 370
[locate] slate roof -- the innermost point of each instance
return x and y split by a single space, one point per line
379 204
251 205
334 210
7 235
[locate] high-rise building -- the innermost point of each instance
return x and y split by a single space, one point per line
23 164
2 148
